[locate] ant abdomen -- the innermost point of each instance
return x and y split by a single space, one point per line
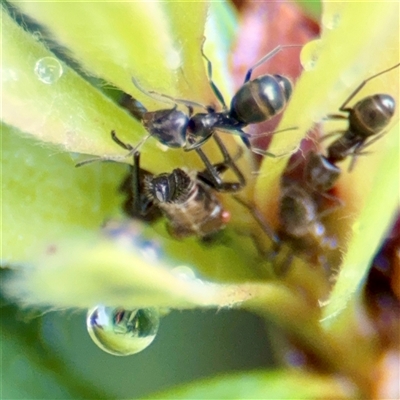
372 114
260 99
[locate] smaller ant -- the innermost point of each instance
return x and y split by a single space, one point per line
300 225
187 200
367 120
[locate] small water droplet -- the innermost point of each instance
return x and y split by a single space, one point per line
173 59
37 36
184 272
122 332
331 21
310 53
8 74
48 70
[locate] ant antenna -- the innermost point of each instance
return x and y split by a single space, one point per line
132 150
161 97
268 56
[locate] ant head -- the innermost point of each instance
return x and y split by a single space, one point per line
168 188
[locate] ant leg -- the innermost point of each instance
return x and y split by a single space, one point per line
362 84
243 135
260 220
135 180
338 204
120 142
211 175
137 204
267 153
214 87
328 135
161 97
128 146
115 158
335 116
229 160
359 150
371 141
293 128
269 55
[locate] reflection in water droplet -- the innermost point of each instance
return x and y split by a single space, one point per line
331 21
122 332
128 234
48 70
310 53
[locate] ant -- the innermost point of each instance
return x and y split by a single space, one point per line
186 199
213 174
300 227
300 223
256 101
367 120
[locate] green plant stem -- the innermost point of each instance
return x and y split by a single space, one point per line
293 313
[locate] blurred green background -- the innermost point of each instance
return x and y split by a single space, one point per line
51 356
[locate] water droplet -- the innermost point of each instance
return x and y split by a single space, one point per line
331 21
184 272
173 59
48 70
37 36
310 53
8 74
122 332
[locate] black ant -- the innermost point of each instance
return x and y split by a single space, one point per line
256 101
300 223
187 200
213 174
367 120
300 227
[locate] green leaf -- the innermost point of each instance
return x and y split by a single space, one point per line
45 196
368 232
68 112
32 370
263 385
